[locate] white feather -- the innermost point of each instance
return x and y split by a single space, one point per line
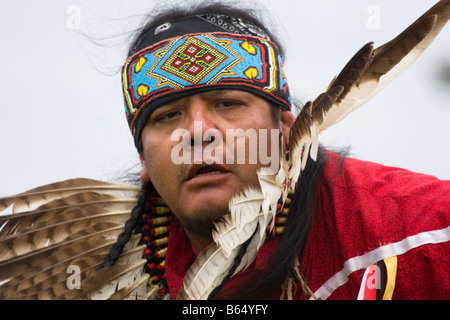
228 237
206 273
244 207
271 189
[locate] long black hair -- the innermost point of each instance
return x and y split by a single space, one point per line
263 284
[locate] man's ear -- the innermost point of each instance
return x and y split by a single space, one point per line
287 119
144 173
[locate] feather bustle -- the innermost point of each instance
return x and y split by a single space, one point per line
51 229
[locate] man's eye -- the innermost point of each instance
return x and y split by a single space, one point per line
167 116
228 104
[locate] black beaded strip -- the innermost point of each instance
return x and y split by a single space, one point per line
157 222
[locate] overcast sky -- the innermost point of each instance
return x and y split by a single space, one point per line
62 109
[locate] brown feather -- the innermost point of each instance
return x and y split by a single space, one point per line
48 235
352 71
55 228
15 223
323 103
388 61
34 198
77 243
128 291
57 264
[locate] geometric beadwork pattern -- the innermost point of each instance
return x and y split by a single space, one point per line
198 61
190 61
193 60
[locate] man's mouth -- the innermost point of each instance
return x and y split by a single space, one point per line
205 171
198 170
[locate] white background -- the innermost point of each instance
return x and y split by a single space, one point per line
62 111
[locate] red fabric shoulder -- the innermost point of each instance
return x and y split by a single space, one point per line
364 207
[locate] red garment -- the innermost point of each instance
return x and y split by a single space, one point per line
365 212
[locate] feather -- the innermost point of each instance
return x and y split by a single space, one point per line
49 233
121 279
131 291
227 236
243 207
387 62
304 133
52 227
300 139
37 277
272 189
34 198
206 273
320 107
238 226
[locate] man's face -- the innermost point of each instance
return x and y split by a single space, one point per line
198 186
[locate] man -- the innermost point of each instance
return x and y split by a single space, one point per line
203 88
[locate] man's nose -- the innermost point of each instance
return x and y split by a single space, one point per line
201 123
201 130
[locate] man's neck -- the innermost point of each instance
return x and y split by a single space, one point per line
199 243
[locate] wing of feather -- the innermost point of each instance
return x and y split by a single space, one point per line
303 135
243 209
389 60
273 186
120 281
206 273
227 236
34 198
69 223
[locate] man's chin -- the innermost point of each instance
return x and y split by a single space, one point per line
201 223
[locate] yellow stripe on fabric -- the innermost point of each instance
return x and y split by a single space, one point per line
391 275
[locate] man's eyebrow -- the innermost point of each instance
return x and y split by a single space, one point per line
217 92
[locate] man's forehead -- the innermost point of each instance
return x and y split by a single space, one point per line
219 93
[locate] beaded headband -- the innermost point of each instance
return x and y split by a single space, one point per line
193 55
